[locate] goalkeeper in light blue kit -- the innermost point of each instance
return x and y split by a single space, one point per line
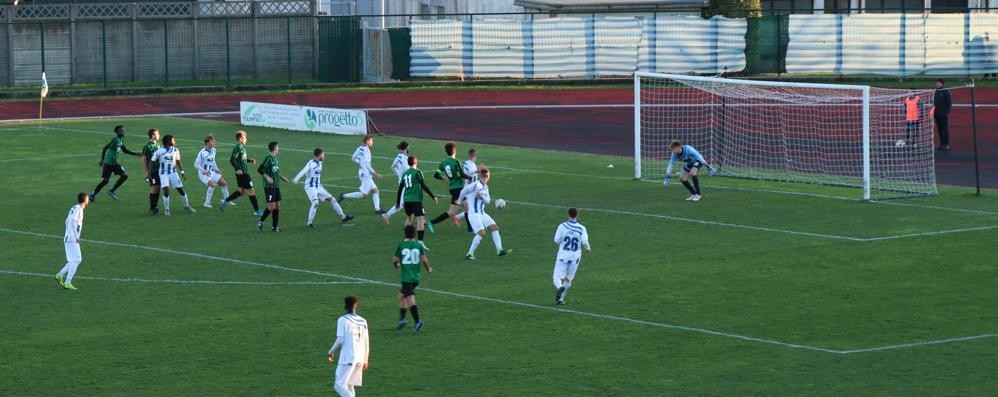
693 162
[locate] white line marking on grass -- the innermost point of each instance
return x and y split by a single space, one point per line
50 157
935 233
935 207
360 280
210 282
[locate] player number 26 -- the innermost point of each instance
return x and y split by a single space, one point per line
571 244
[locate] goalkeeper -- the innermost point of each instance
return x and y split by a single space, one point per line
693 162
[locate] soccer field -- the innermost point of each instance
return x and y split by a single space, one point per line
759 289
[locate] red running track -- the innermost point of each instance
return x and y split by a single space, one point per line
603 130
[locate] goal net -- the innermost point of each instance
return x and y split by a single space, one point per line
841 135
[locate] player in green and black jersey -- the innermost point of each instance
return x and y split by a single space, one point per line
408 256
410 197
271 171
455 176
241 163
152 173
109 164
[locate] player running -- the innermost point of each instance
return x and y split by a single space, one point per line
208 171
240 162
693 162
569 237
152 170
410 197
71 240
366 174
109 164
271 171
314 189
399 165
471 168
476 195
454 172
168 158
408 256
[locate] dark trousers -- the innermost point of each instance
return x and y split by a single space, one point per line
911 128
942 125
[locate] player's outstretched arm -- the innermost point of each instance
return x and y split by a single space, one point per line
427 190
301 174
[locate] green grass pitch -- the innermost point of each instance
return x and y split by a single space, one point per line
752 291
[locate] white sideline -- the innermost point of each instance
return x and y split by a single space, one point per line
142 280
521 304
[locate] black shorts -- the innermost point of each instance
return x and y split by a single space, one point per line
273 195
408 289
112 169
414 208
455 195
244 181
153 178
690 166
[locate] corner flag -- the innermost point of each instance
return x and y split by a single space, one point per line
45 86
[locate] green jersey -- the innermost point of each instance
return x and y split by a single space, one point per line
452 170
147 151
412 186
239 158
270 167
409 253
113 148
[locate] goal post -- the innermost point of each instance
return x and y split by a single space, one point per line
827 134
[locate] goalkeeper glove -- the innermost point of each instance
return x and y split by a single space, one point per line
665 182
711 170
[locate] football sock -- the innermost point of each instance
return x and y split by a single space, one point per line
689 187
354 195
311 212
497 240
392 211
118 183
337 208
103 182
276 218
70 271
377 201
208 193
266 213
566 285
225 191
166 201
415 312
420 234
401 313
233 196
696 183
153 198
440 218
474 243
256 205
183 197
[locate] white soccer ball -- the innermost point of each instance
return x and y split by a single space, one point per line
500 203
899 143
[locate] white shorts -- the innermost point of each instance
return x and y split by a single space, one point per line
73 252
214 177
350 374
366 183
170 180
480 221
317 193
564 268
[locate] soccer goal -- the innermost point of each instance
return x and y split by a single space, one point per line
827 134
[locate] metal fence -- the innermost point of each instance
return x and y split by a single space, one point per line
169 44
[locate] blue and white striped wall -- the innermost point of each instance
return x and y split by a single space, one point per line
577 47
893 44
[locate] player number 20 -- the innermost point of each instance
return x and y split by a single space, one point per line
410 256
571 244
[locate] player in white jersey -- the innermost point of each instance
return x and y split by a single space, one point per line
570 237
476 196
314 189
354 345
366 174
208 171
399 165
170 172
74 227
471 168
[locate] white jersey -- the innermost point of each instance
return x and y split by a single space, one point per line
571 237
167 157
74 224
351 332
312 172
476 205
400 164
205 162
362 156
471 169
